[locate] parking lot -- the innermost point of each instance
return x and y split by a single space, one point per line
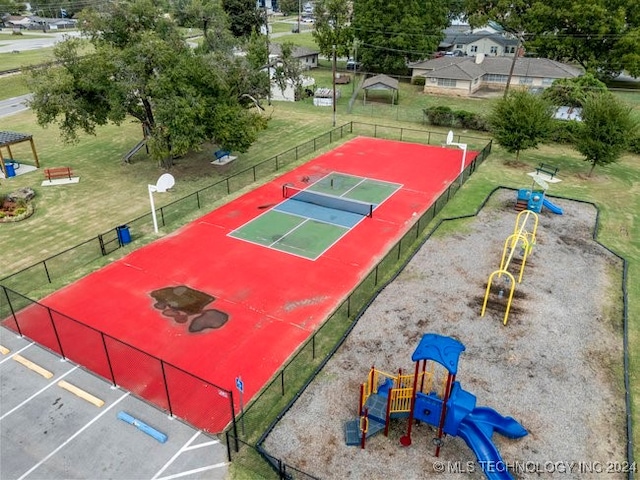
58 421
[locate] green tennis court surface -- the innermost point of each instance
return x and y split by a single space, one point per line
309 230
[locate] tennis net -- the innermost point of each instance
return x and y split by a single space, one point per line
330 201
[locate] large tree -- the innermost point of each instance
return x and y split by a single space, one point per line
245 18
332 31
209 16
140 67
289 7
606 129
520 121
392 33
603 36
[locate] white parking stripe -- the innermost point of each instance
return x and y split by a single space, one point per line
197 470
15 353
37 393
201 445
37 465
177 454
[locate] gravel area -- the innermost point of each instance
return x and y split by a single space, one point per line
556 367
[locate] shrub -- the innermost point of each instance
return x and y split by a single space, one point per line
471 120
634 145
418 81
563 131
440 116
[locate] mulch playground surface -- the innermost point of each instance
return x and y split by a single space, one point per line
219 307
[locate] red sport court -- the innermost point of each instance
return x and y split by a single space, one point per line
218 307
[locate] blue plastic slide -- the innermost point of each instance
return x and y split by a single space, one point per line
476 429
551 206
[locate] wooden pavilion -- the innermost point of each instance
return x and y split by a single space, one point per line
381 82
11 138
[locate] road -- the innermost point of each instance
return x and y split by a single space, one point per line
13 105
9 43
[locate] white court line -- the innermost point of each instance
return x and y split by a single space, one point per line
291 231
196 470
16 353
37 465
53 382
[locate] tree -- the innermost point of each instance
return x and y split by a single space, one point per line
394 32
245 18
12 7
289 7
140 67
332 32
603 36
211 18
605 131
289 70
572 92
520 121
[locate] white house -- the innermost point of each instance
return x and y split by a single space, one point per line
288 94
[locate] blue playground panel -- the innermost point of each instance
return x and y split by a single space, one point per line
475 425
536 200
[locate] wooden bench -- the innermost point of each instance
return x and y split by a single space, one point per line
58 172
220 154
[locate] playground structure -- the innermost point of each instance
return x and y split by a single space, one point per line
526 239
441 403
534 198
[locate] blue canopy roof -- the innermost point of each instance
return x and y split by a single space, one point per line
444 350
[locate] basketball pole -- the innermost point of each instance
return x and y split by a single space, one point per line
152 188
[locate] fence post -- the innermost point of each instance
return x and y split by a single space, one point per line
282 382
13 313
166 387
106 352
55 332
46 270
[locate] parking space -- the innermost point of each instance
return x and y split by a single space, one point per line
58 421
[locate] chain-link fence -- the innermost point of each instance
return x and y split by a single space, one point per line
166 384
278 396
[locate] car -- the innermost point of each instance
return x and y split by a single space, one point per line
353 65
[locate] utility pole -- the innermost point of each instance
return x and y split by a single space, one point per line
333 69
299 13
513 64
266 28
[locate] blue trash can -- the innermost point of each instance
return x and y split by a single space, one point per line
10 169
124 235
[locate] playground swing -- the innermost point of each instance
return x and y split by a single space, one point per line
527 239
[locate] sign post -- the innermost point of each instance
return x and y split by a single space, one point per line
240 387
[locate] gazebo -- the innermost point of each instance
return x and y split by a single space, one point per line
11 138
380 82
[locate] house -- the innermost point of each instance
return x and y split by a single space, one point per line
288 94
489 40
34 22
463 76
306 56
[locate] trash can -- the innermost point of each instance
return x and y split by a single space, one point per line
10 168
124 235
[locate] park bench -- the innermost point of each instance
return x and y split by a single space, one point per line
221 154
58 172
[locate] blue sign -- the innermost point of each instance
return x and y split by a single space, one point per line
239 385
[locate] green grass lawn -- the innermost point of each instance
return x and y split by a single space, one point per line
111 193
